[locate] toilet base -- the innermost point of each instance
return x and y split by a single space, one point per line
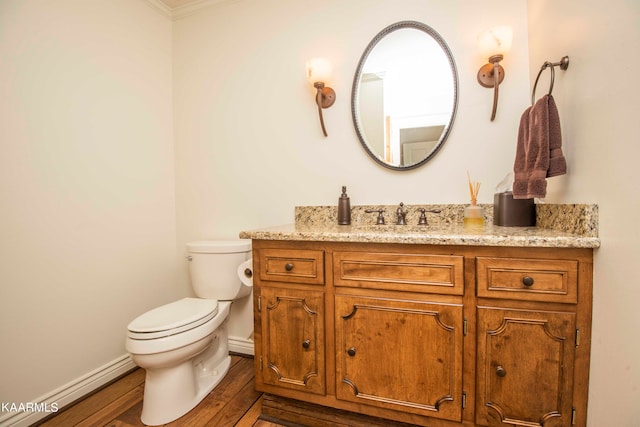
171 392
169 405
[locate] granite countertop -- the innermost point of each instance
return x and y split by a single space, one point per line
561 226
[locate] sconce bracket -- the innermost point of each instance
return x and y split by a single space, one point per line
328 95
485 75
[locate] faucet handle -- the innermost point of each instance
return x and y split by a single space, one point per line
423 215
380 219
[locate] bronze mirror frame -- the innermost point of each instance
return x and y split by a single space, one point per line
356 85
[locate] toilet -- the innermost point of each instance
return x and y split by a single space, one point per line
183 346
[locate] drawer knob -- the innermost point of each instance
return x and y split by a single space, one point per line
288 266
527 281
352 351
306 344
500 371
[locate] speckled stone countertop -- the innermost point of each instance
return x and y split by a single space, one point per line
561 226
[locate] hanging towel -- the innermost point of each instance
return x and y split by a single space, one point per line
539 150
557 162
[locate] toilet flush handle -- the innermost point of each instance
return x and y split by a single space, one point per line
189 258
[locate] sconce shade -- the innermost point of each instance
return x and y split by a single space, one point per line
496 41
318 70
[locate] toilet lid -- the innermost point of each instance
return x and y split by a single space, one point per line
175 317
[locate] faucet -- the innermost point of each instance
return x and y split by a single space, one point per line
402 215
423 215
380 219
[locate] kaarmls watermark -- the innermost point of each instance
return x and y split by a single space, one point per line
29 407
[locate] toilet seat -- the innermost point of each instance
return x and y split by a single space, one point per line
176 340
172 318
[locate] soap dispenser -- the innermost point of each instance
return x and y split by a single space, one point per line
344 208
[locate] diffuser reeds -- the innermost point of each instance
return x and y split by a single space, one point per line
474 189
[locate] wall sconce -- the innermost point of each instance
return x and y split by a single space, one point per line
318 73
494 43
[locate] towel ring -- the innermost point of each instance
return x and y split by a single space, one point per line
563 63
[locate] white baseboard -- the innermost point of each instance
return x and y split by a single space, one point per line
241 345
68 393
57 399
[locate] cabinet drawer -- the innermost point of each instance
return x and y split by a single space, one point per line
299 266
528 279
442 274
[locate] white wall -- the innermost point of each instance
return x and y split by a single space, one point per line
248 141
87 206
597 99
87 210
249 147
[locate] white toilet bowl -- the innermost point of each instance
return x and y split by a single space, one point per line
184 362
184 345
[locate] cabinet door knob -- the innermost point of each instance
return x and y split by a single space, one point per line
527 281
288 266
352 351
500 371
306 344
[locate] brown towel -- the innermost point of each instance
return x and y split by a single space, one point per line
557 162
539 150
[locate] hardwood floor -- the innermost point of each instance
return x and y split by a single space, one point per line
234 402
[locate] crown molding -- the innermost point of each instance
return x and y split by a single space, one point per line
192 7
179 12
161 7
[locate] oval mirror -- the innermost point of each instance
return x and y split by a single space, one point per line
404 95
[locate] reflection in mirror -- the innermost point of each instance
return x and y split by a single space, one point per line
404 96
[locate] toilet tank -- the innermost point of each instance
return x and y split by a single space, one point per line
213 266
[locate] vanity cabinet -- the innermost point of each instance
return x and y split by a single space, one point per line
525 367
525 357
400 349
291 302
400 354
431 335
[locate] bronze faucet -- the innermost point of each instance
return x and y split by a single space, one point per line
402 215
423 215
380 219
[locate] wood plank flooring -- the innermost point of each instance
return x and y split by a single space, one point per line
234 402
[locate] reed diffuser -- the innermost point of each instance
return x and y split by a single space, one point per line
473 214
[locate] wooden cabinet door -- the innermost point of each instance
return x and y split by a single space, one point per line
402 355
524 367
293 339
